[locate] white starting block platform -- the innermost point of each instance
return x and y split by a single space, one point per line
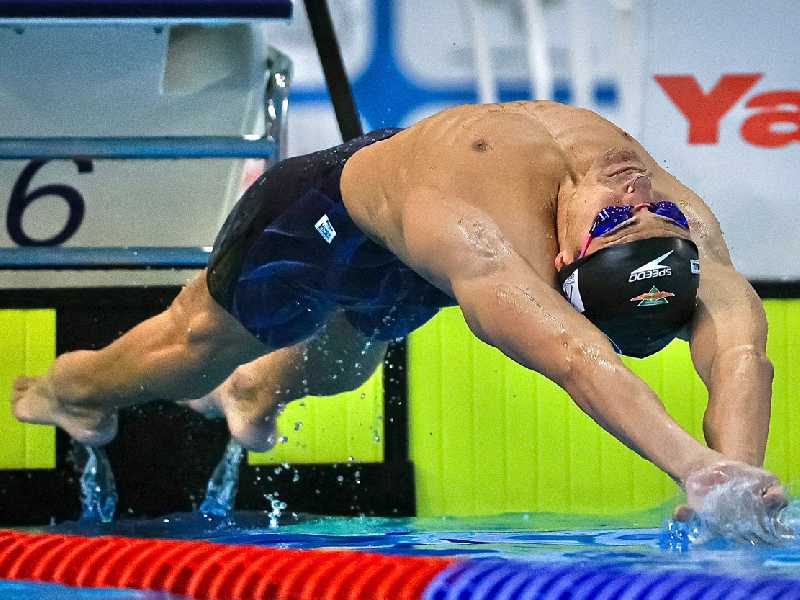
86 83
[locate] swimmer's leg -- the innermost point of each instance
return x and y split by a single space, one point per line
337 359
185 351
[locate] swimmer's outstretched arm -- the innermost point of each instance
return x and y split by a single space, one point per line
728 338
508 305
728 342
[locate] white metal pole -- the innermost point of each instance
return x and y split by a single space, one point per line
481 51
580 58
541 72
631 65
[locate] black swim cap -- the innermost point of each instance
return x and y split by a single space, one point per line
639 294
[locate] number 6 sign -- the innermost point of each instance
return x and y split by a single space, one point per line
21 199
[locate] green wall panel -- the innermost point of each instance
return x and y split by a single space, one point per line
488 436
343 428
27 347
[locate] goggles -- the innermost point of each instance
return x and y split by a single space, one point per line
611 217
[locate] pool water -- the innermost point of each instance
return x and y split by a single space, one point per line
633 542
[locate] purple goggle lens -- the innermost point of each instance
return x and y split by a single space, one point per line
612 217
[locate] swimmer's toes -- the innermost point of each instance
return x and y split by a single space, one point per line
23 383
28 406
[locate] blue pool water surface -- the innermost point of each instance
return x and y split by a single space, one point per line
633 542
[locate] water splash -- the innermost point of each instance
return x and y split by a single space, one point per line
732 513
276 509
789 517
98 490
677 536
224 483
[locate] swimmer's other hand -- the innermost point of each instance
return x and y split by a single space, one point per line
736 501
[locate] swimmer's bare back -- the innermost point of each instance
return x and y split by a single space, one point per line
480 200
516 165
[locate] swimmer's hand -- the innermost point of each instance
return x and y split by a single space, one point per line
736 501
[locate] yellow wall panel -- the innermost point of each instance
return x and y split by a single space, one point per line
27 347
342 428
488 436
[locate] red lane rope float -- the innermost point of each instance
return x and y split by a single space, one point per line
208 571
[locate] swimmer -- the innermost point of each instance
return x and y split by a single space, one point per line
562 240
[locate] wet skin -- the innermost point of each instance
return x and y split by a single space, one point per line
485 202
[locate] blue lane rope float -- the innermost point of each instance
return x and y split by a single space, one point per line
511 580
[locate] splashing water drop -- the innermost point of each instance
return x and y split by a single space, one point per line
98 490
224 483
276 509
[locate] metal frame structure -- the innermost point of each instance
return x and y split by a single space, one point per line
271 145
90 317
82 11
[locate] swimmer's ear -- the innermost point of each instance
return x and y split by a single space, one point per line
562 260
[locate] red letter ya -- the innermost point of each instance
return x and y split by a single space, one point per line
705 111
759 129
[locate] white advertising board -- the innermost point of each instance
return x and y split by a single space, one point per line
722 111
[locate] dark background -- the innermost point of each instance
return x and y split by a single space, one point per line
164 453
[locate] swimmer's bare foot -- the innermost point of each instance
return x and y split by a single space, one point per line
248 407
35 401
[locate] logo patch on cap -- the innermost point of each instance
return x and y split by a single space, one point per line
652 298
651 269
